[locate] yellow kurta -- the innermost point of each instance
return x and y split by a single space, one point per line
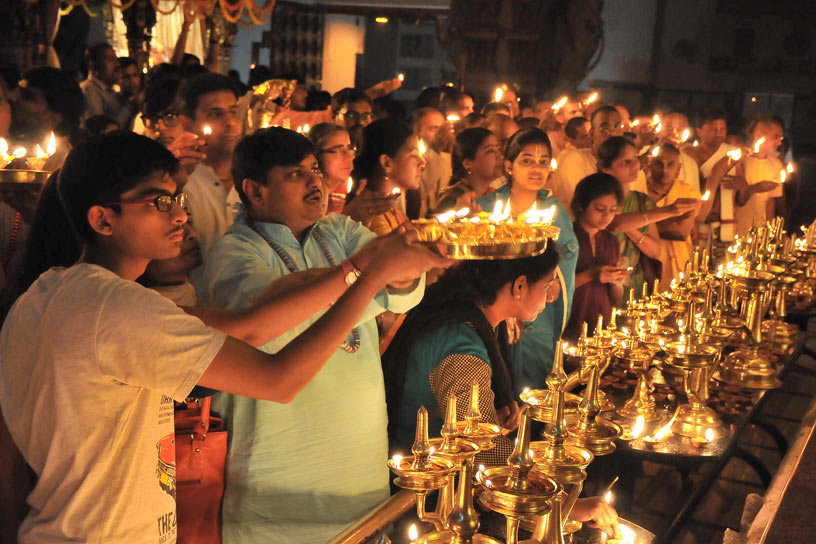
757 170
673 253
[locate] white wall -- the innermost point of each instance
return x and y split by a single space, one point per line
241 58
343 39
628 27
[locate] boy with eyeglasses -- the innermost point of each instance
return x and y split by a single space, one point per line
91 361
284 484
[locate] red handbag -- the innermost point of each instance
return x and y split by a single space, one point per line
201 454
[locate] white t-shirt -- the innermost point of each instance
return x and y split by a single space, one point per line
89 366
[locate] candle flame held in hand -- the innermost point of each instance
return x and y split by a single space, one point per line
734 154
349 185
706 195
401 77
206 130
686 134
783 175
498 94
422 148
638 428
655 119
560 104
592 98
695 143
789 168
553 165
758 144
413 533
396 191
659 128
634 123
452 118
656 151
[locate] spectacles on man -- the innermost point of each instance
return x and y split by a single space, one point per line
163 203
170 119
341 151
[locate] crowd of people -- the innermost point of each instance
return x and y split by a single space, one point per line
178 246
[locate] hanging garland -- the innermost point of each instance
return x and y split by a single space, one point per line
232 11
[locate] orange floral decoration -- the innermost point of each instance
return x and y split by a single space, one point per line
233 11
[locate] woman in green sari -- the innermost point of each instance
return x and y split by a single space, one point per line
635 225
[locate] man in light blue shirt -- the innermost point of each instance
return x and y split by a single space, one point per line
303 471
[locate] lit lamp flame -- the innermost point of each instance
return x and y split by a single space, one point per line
553 165
560 104
306 128
452 118
789 168
706 195
758 144
591 98
709 435
638 427
401 77
695 143
656 151
396 191
445 217
422 148
655 119
462 212
608 497
783 175
349 184
413 534
206 130
51 148
498 94
629 536
659 128
686 134
397 460
734 154
634 123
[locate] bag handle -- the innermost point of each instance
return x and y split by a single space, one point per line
203 424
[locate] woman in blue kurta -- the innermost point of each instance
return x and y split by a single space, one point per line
451 339
527 165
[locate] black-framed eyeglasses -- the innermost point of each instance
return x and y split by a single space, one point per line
341 151
163 203
170 119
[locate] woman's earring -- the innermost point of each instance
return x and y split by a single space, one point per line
469 172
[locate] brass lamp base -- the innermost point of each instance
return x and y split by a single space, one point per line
750 369
600 441
694 421
778 331
636 407
447 537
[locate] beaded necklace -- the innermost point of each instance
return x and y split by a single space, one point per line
292 267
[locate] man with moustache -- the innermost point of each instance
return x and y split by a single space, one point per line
208 105
284 485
